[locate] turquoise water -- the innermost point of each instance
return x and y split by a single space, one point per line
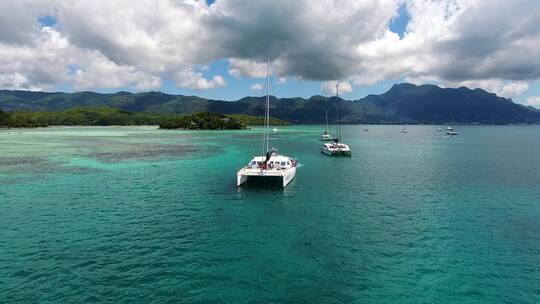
139 215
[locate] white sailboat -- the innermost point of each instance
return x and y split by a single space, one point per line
450 131
326 136
404 129
336 148
271 166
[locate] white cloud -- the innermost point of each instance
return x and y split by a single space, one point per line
256 87
282 80
38 65
533 101
188 78
235 72
149 83
514 89
329 87
98 71
492 43
243 67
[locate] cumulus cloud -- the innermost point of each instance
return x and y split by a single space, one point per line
329 87
37 64
493 43
234 72
188 78
256 87
534 101
514 89
245 67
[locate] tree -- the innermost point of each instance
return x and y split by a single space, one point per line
5 119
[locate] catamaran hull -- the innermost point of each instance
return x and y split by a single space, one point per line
336 152
283 177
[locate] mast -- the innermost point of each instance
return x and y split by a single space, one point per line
337 113
266 135
326 114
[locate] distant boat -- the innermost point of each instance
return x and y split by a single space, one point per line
450 131
274 130
326 136
439 129
336 148
270 166
366 129
404 129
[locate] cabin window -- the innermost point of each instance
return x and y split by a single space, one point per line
253 163
288 163
283 163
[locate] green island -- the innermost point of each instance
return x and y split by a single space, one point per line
104 116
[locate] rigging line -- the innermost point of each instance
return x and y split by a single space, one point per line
283 140
326 114
267 103
264 129
337 113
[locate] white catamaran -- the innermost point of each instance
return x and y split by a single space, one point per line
336 148
270 166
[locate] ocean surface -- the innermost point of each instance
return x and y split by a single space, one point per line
140 215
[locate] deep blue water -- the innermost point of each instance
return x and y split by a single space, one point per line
138 215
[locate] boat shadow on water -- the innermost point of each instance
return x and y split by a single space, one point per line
266 182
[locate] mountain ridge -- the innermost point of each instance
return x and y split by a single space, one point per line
402 103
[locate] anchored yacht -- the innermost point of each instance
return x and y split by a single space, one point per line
271 166
325 136
336 148
450 131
